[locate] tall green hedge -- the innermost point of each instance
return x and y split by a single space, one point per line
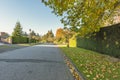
106 41
33 40
16 40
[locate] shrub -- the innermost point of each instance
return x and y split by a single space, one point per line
17 40
106 41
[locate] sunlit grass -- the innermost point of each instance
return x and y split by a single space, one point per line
62 45
94 66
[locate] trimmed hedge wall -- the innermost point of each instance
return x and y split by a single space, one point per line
106 41
16 40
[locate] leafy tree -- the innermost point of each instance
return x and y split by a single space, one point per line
38 37
33 34
84 16
59 33
48 37
68 33
44 38
64 34
50 34
17 30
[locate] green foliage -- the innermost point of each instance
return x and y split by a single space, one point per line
34 37
93 65
72 43
33 33
48 37
17 30
99 46
63 35
84 16
33 40
106 41
17 40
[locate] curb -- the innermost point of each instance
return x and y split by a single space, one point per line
76 74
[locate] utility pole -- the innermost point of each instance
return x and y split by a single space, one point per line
29 35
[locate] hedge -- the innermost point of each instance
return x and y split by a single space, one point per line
106 41
16 40
99 46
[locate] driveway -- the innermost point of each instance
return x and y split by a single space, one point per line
40 62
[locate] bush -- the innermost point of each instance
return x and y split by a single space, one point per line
17 40
106 41
33 41
99 46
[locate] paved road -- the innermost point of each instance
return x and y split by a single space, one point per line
41 62
1 44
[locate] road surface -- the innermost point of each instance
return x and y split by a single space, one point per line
40 62
1 43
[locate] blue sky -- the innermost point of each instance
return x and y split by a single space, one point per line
32 14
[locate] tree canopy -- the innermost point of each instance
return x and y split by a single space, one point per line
84 16
63 34
17 30
59 33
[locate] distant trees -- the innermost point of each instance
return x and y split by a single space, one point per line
48 37
19 36
33 36
25 34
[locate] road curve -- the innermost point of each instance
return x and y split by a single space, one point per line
40 62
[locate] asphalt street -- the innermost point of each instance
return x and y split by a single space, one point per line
1 43
40 62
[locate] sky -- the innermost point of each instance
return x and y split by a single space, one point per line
32 14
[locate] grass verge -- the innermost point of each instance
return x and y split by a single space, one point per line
4 48
93 65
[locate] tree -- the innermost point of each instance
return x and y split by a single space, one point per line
64 34
50 34
48 37
17 30
84 16
59 33
33 34
25 34
68 33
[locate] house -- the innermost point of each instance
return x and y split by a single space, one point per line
3 36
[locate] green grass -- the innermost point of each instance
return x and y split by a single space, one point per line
4 48
31 44
93 65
